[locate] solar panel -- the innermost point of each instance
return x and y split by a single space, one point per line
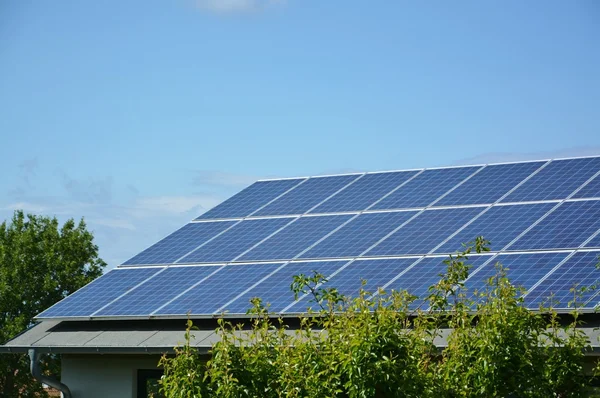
251 199
558 180
490 184
365 192
100 292
157 291
426 188
569 226
236 241
306 196
215 291
523 270
392 229
179 243
349 280
579 271
499 225
422 234
590 190
295 238
359 235
275 290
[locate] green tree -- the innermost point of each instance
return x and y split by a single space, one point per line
382 344
41 262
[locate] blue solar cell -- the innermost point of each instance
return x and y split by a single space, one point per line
590 190
306 196
237 240
424 232
364 192
223 286
500 225
490 184
595 242
577 272
92 297
425 188
159 290
426 273
251 199
556 181
179 243
276 289
295 238
349 281
523 270
359 234
568 226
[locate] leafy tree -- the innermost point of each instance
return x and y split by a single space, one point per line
41 262
383 344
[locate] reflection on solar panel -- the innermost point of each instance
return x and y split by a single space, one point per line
390 228
500 225
564 285
365 192
523 270
556 181
236 241
217 290
422 234
275 291
251 199
295 238
569 226
426 188
307 195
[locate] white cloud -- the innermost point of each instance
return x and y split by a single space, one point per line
26 207
235 6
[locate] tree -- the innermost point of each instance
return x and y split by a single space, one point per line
383 344
41 262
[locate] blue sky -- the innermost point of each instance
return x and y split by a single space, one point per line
140 115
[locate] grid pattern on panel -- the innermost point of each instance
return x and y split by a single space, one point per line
424 232
417 280
358 235
234 242
98 293
348 282
595 242
425 188
157 291
523 270
490 184
307 195
294 238
556 181
577 272
364 192
217 290
568 226
499 225
179 243
250 199
276 289
590 190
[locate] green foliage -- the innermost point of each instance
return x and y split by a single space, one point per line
378 345
41 262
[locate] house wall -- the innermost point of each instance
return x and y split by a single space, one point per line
102 376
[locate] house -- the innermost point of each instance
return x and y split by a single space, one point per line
391 228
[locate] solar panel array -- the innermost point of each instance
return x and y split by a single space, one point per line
392 229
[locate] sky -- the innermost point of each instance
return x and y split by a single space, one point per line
140 115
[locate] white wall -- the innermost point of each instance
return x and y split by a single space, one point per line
103 376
